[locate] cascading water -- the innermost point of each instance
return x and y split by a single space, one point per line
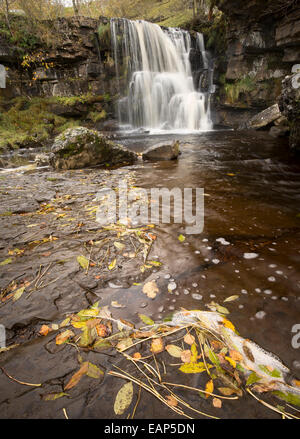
161 93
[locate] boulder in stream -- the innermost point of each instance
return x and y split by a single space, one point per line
264 118
80 147
162 151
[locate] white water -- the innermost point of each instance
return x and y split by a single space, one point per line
161 93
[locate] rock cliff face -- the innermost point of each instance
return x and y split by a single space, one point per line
79 65
262 45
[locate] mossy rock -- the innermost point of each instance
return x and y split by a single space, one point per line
80 147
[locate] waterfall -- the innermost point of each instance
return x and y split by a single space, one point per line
161 93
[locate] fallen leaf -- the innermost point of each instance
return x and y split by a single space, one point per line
44 330
64 336
77 376
231 361
157 345
226 391
151 289
194 367
145 319
209 387
115 304
217 403
186 356
236 356
171 401
6 262
94 371
18 294
137 356
112 264
124 344
83 262
174 351
53 396
231 298
123 398
189 339
181 238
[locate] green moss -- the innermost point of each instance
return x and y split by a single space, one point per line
97 116
104 35
234 90
28 121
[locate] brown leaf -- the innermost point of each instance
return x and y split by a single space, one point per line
236 356
186 356
217 403
171 401
189 339
151 289
77 376
209 387
226 391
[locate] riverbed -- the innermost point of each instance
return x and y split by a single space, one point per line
249 247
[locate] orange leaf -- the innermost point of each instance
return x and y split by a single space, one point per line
236 356
45 330
77 376
137 356
64 336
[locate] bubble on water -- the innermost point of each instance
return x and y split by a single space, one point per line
279 272
194 285
274 297
260 315
241 306
206 259
203 276
272 265
216 261
167 276
212 296
244 292
186 292
197 296
223 241
236 271
285 299
250 255
272 249
176 293
172 286
268 291
171 308
204 240
272 279
160 309
174 300
209 248
258 290
197 252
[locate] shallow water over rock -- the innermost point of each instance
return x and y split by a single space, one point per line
249 247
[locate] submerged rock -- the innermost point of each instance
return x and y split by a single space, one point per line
162 151
80 147
264 118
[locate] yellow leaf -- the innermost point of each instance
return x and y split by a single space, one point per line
231 361
18 294
112 264
209 387
194 352
228 324
123 398
157 346
193 367
83 262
